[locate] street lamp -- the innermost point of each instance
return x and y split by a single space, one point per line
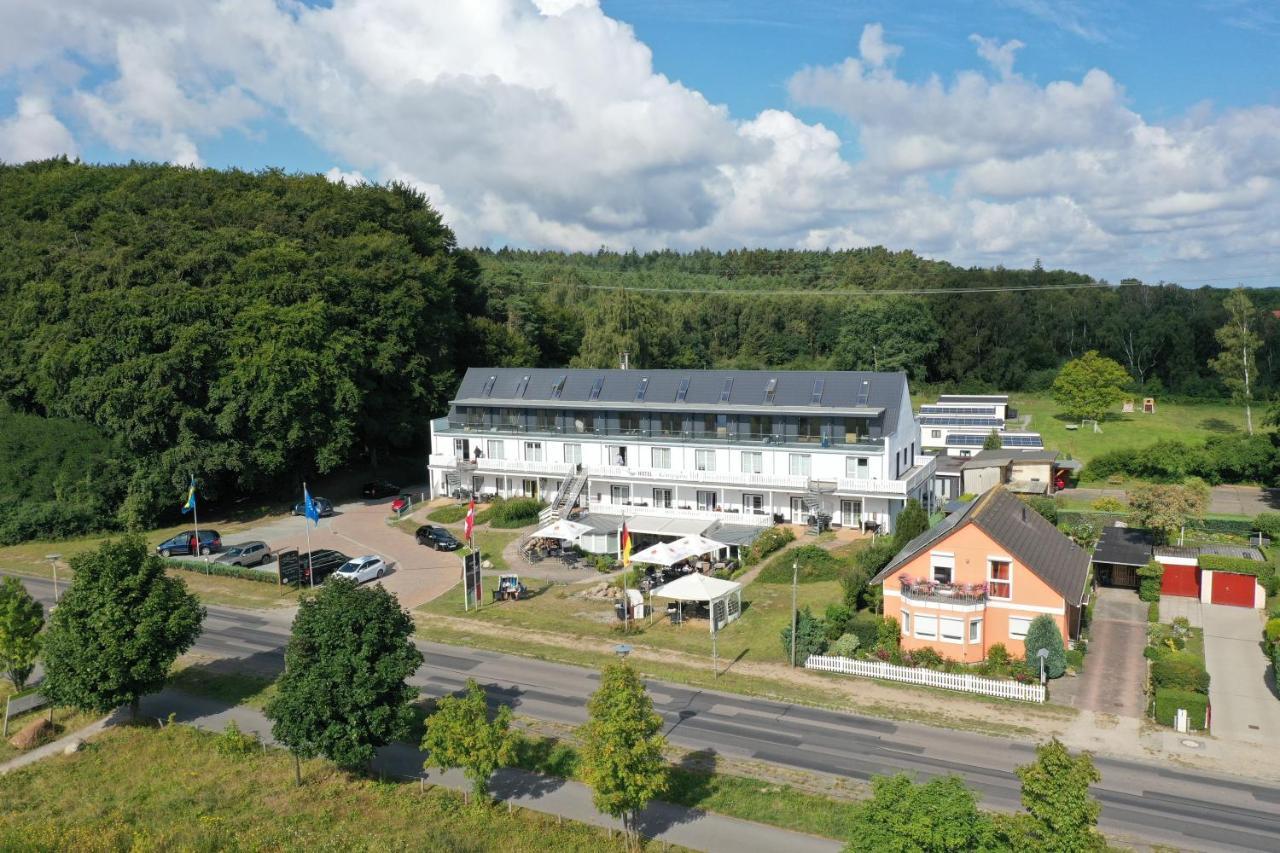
1042 654
795 577
53 562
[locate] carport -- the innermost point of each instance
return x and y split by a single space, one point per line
1120 552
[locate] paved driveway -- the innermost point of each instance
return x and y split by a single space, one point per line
1246 706
1114 669
418 574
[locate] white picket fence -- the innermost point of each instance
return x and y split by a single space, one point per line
1002 688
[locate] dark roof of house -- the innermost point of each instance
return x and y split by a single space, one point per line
1123 546
793 390
1021 531
948 466
1243 552
991 458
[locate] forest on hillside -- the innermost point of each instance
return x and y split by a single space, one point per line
255 329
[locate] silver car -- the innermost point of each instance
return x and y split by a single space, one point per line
246 554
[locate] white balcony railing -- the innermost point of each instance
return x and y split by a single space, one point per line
676 475
502 466
904 487
748 518
442 460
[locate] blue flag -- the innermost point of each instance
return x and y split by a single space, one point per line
191 498
309 508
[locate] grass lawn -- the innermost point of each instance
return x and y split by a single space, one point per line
65 720
491 542
170 789
217 682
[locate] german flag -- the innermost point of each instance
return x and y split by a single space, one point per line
625 541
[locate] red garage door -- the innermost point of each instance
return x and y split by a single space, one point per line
1181 580
1230 588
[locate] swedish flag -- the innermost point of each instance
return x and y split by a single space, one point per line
191 498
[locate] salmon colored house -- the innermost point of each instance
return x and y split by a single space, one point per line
980 576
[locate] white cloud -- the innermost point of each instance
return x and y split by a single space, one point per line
33 132
545 122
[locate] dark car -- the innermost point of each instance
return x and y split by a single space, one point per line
379 489
325 560
437 537
323 504
180 545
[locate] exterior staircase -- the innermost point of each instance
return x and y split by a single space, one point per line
566 498
812 502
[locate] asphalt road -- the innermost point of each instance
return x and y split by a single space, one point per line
1144 803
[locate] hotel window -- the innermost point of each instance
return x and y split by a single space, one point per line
809 429
855 428
545 420
999 579
761 426
935 433
944 567
926 627
573 454
584 422
533 451
662 457
1018 627
752 462
799 464
671 423
906 623
629 422
620 494
704 460
753 503
496 449
951 630
509 418
975 631
706 500
662 498
855 467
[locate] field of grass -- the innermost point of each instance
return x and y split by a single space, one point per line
65 720
491 542
170 789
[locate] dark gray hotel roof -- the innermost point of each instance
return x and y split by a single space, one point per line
794 390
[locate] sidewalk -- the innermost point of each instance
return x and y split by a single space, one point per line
57 746
673 824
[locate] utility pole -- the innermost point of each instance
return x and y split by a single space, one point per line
795 578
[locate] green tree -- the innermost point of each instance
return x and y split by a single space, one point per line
1087 387
1165 508
1236 363
811 636
622 746
887 334
909 524
21 618
118 629
1055 791
939 816
1043 633
992 441
460 734
343 693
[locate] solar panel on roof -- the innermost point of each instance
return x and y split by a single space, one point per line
818 385
683 390
864 392
596 388
1021 441
962 440
726 390
940 420
990 411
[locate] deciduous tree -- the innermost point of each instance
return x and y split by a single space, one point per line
939 816
1087 387
1166 507
1055 791
21 618
118 629
461 734
1237 363
887 334
622 746
343 693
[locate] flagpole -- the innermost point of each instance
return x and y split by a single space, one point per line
306 526
626 567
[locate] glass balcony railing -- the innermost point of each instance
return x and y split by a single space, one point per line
720 436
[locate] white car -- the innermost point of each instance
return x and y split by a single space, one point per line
361 569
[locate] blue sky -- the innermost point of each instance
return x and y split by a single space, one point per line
1120 139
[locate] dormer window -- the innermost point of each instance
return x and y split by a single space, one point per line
683 391
726 390
771 390
818 385
864 393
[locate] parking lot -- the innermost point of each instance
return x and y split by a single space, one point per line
417 574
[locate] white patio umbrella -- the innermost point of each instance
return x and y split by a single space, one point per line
561 529
662 554
695 545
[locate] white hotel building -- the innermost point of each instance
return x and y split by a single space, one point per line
720 452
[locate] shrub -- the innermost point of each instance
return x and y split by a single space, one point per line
998 655
910 523
853 586
1156 652
448 514
866 627
888 633
233 742
837 619
1272 631
816 564
1149 579
223 570
1075 660
846 646
926 657
1168 701
1044 634
1107 505
1045 506
810 637
1268 524
771 540
875 556
1180 671
1153 611
513 512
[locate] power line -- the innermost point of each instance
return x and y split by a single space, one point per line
936 291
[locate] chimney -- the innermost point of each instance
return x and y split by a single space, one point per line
624 362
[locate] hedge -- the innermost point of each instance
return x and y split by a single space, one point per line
1238 527
1268 523
1265 572
1180 671
1149 579
224 570
1153 611
1168 701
